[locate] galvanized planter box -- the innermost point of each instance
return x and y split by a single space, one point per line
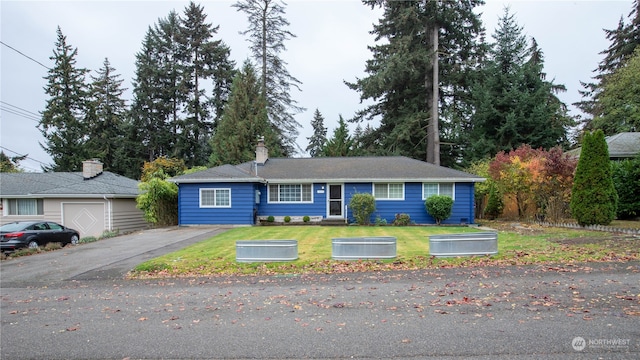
266 250
468 244
383 247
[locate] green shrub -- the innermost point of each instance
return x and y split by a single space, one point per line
287 219
402 220
626 179
306 219
380 221
270 218
593 197
109 234
439 207
495 203
362 205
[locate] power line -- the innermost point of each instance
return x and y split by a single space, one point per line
27 56
12 109
27 157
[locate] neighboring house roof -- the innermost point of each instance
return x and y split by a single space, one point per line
622 145
328 169
66 184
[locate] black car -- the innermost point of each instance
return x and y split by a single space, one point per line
33 234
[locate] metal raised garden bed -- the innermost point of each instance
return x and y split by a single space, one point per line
266 250
468 244
383 247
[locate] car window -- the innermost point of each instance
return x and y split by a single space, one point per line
12 227
54 226
39 227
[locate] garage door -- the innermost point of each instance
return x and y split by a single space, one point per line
87 218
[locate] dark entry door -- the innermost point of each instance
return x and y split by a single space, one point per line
335 200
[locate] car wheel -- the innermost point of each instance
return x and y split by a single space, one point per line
75 240
33 244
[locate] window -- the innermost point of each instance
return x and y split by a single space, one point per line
287 193
388 191
430 189
26 207
214 198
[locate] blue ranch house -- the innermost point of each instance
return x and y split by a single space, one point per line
320 188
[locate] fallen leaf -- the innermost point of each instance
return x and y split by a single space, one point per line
142 319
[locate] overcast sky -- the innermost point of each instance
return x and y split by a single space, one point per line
331 46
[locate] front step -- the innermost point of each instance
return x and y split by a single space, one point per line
333 222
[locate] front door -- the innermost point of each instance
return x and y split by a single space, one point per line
335 201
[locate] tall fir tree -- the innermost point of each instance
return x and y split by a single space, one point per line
107 116
514 103
400 75
244 121
267 33
63 123
319 137
202 59
593 197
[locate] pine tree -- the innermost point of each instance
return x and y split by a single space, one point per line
514 103
341 143
107 116
63 120
593 197
319 137
267 33
400 74
244 120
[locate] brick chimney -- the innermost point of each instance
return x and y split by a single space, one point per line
91 168
262 154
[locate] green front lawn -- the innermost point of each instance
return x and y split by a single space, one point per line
216 256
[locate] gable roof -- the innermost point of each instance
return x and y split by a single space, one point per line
328 169
66 184
622 145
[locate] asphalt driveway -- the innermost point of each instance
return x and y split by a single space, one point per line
105 259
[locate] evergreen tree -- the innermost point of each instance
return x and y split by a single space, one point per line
107 116
267 34
619 101
623 41
244 120
319 137
63 120
341 143
593 197
202 58
400 74
515 105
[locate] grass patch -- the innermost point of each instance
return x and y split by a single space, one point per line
216 256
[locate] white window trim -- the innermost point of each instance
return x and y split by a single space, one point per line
373 191
215 194
269 201
453 188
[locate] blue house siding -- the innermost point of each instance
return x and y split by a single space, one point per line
243 204
414 205
240 212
